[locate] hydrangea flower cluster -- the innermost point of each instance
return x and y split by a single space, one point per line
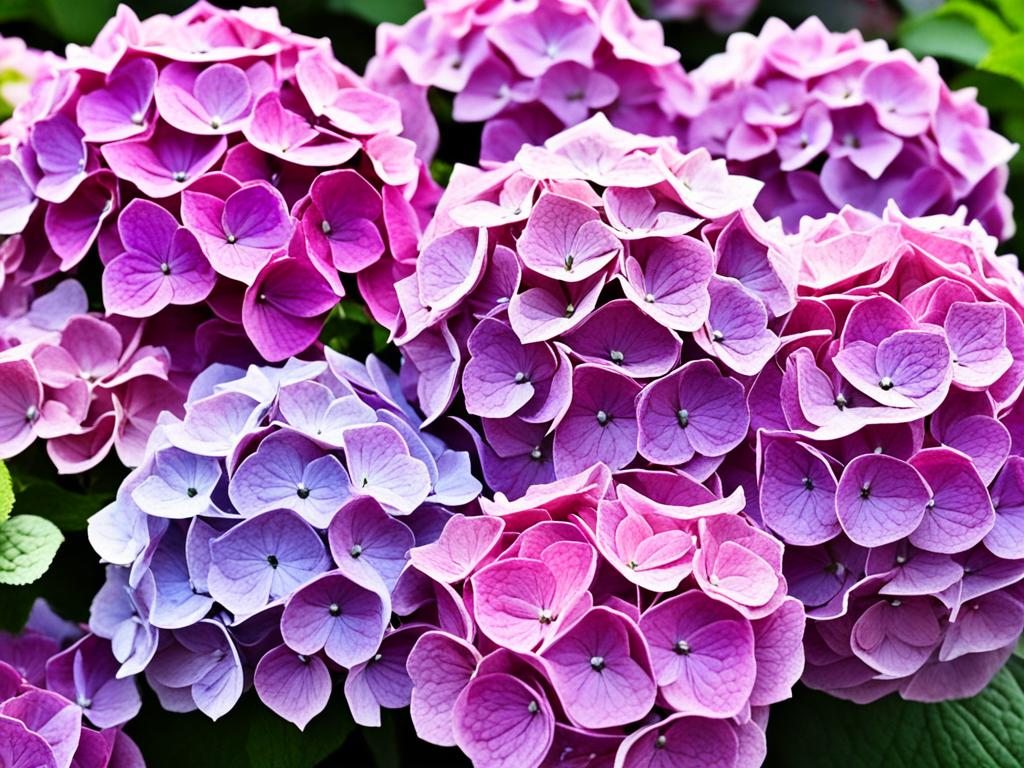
632 618
529 69
720 15
218 161
889 454
826 119
263 537
82 383
581 275
46 692
20 66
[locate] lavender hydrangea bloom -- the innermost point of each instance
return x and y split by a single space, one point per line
264 535
561 372
887 458
570 654
885 126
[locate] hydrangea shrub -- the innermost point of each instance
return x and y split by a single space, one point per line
264 535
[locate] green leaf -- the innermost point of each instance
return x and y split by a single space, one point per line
947 38
68 510
6 493
1012 11
27 547
395 11
988 22
250 736
986 731
77 21
1006 58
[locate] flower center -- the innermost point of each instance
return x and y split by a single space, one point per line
717 336
165 268
682 648
597 663
179 176
334 609
886 383
356 551
325 227
273 561
603 417
191 493
808 484
536 454
616 357
302 491
683 417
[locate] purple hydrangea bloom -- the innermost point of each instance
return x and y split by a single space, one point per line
197 183
528 70
265 534
887 457
71 714
561 372
884 125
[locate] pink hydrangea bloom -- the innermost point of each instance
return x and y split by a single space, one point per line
60 702
83 383
889 456
596 597
198 160
877 123
20 67
527 70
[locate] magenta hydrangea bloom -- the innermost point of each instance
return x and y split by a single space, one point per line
186 165
887 453
63 707
528 70
561 368
264 536
827 119
690 621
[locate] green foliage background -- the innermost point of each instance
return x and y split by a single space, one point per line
978 43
